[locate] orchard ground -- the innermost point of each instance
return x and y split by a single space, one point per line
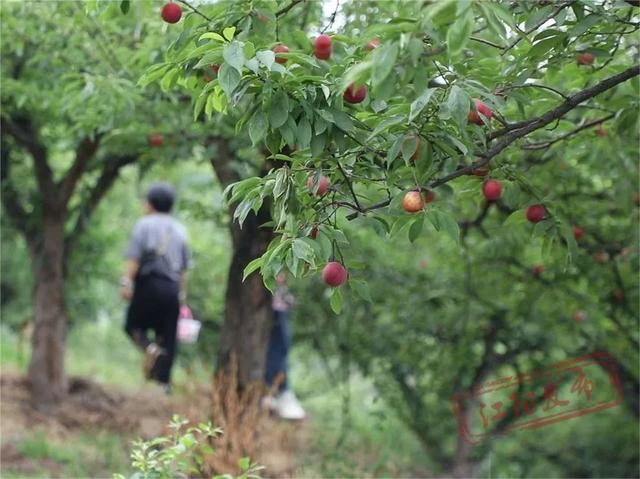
90 435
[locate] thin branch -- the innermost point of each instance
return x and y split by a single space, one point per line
105 181
486 42
22 130
346 178
545 144
196 11
332 19
284 10
526 128
84 152
534 85
539 24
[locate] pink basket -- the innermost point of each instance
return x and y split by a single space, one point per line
188 328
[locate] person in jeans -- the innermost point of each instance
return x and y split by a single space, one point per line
155 282
285 403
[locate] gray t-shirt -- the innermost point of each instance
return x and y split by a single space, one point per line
159 243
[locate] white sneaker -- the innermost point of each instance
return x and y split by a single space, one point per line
288 406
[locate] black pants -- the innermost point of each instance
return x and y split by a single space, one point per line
155 306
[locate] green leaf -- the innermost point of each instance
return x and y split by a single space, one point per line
304 132
416 228
229 32
458 33
234 55
443 221
257 126
252 266
302 250
342 120
266 57
394 150
318 143
384 59
419 103
229 78
336 300
361 288
458 104
244 463
279 109
124 6
585 24
153 73
409 147
212 36
385 124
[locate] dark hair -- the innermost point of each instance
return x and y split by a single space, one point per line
161 197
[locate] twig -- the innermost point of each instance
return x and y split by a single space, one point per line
539 24
195 10
486 42
332 18
544 144
284 10
346 178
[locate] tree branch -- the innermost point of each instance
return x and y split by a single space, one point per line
544 144
85 151
539 24
105 181
10 198
23 132
524 128
284 10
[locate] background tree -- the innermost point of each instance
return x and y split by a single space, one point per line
66 135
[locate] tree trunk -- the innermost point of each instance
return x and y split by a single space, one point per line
47 377
248 313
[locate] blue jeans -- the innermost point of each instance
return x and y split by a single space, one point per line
278 350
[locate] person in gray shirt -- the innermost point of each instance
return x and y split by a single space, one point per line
155 282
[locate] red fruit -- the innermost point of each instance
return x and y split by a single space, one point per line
535 213
585 58
578 232
322 54
351 95
323 185
423 264
537 270
412 202
492 190
618 295
580 316
482 108
334 274
373 44
313 234
280 48
323 42
155 140
171 12
216 68
430 196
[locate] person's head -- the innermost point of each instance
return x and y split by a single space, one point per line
160 198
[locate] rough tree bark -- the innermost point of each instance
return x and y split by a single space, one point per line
43 228
247 318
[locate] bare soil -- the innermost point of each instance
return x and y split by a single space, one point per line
144 413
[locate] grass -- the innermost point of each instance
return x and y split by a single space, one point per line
370 441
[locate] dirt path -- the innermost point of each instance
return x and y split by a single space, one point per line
144 413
